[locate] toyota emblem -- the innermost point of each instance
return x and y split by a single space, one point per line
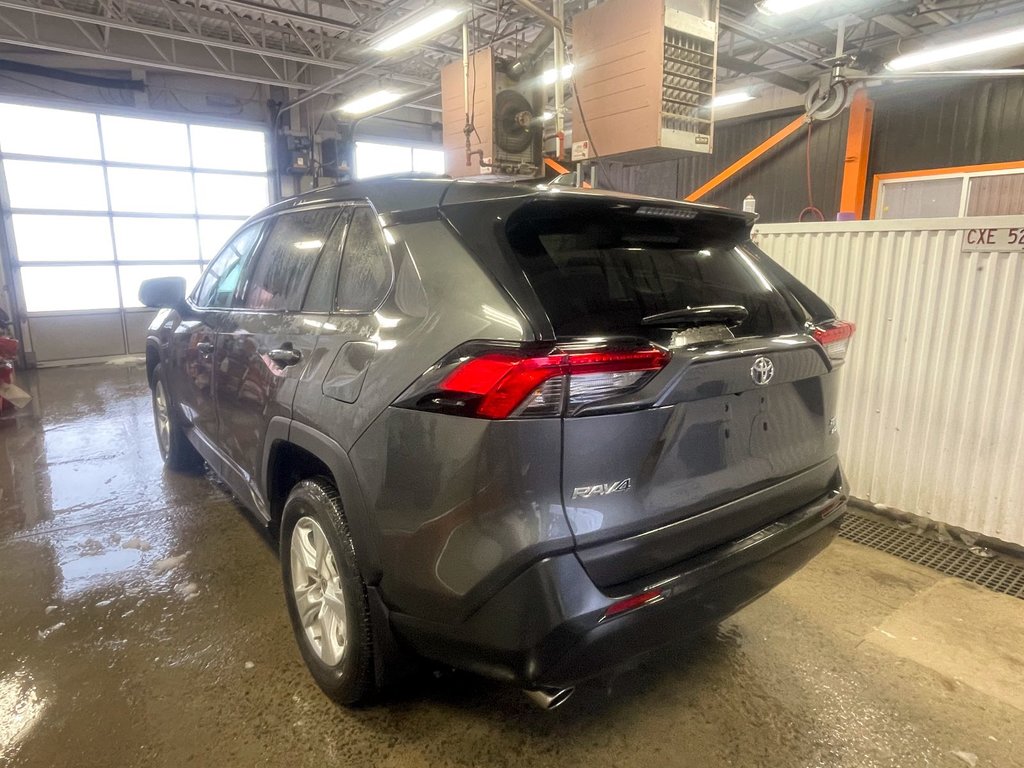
762 371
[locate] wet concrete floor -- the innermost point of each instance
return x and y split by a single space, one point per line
142 624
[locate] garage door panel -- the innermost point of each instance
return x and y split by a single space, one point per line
136 324
74 337
99 202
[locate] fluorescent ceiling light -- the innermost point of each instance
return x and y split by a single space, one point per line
959 50
419 29
725 99
549 76
785 6
369 102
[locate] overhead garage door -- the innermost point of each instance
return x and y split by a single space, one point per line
95 203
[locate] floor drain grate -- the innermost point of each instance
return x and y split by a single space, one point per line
995 573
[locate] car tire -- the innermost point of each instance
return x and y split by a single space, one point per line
326 594
175 449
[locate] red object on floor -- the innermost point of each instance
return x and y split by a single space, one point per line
8 351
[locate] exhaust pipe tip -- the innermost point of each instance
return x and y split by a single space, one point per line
548 698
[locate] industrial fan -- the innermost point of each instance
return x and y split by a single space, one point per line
491 121
514 122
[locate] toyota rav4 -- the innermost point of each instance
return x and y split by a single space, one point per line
528 432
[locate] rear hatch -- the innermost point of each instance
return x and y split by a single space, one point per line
735 427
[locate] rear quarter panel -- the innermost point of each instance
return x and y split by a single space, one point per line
440 299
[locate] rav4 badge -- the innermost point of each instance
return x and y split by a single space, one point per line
586 491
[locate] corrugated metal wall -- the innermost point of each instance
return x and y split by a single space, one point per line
921 125
778 181
932 404
917 125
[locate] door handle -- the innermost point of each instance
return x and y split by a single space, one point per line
285 356
204 348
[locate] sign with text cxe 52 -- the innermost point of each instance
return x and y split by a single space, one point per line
993 239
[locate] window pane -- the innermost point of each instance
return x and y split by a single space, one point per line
132 277
228 149
221 278
54 288
56 186
143 191
1001 194
214 233
62 238
152 142
230 195
48 132
324 283
924 199
282 272
156 239
428 160
365 266
381 159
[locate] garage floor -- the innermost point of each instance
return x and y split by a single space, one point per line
142 623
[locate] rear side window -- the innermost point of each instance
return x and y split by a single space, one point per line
281 274
600 269
324 285
366 268
217 288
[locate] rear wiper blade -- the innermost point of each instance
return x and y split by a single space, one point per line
729 314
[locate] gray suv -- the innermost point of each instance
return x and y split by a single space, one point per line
528 432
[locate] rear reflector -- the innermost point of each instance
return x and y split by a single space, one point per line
631 603
511 382
834 337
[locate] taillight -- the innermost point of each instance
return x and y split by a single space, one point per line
512 382
834 337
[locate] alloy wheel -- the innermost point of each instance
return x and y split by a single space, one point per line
162 416
319 596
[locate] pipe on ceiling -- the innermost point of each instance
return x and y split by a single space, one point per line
532 53
961 74
540 13
406 101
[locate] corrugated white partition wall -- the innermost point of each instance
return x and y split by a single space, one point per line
932 404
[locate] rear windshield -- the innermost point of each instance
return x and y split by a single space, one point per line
602 269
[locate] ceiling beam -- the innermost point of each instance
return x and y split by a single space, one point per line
761 73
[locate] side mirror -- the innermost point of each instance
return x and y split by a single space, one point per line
162 292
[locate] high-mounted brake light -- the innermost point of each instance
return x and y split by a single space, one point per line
504 383
834 337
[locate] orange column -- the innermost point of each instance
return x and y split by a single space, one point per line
858 146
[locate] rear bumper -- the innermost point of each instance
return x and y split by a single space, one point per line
546 627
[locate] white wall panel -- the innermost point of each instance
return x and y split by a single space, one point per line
932 404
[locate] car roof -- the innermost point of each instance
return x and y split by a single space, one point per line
405 193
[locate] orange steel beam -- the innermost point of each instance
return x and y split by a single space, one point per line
748 158
858 147
557 167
